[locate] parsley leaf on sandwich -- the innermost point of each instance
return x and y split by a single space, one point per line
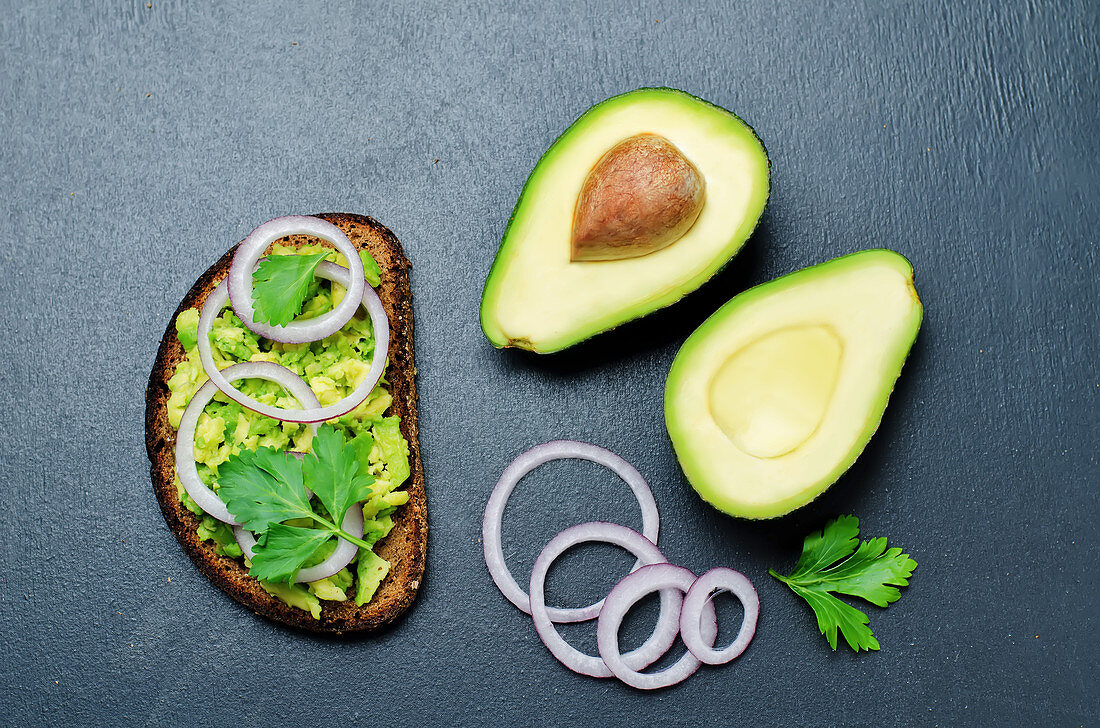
333 473
869 571
266 488
281 285
263 487
281 551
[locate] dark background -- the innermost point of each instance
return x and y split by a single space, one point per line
141 142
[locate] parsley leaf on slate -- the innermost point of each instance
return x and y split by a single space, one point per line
869 571
333 473
280 286
281 551
262 489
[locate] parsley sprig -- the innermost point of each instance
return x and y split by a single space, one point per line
282 283
869 570
266 488
280 286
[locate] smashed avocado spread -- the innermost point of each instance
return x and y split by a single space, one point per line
333 367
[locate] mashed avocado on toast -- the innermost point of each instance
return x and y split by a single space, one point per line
323 526
333 367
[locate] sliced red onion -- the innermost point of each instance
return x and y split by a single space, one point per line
253 248
626 594
379 321
186 468
525 463
698 599
664 633
340 557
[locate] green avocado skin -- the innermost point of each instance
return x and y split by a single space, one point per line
498 339
676 419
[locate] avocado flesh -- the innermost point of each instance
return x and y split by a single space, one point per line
774 396
536 298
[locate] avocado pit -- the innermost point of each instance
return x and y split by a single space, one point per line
641 196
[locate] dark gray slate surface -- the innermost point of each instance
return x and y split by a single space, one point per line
140 142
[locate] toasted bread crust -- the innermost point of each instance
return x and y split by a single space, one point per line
406 545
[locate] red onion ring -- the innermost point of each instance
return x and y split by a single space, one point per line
626 594
698 598
525 463
253 248
186 468
340 557
379 321
664 633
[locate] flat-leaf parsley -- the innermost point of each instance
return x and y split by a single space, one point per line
869 571
266 488
263 487
281 285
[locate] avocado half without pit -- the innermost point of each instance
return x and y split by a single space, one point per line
639 202
774 396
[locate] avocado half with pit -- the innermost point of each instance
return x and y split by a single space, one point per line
774 396
638 203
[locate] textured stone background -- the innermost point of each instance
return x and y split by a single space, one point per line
140 142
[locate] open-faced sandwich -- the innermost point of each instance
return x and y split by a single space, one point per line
281 425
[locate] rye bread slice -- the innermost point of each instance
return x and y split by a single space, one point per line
406 545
